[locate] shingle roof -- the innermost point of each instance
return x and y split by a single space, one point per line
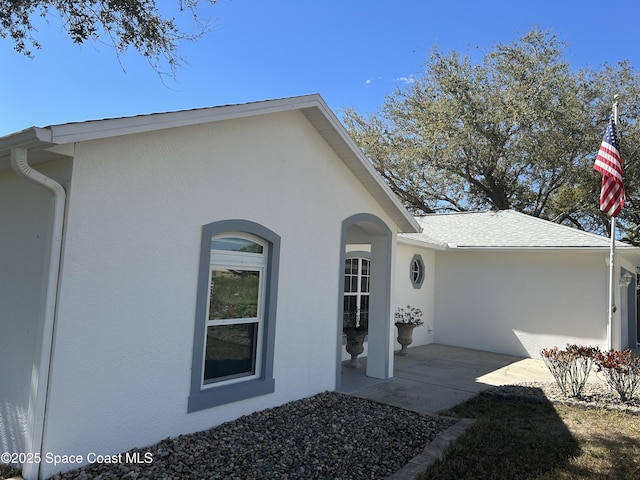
505 229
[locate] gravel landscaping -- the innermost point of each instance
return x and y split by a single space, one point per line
327 436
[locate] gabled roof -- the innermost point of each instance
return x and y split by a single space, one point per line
504 230
57 140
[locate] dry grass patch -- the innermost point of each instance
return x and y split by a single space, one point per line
7 472
515 438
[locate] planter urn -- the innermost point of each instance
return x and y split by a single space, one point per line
405 337
355 346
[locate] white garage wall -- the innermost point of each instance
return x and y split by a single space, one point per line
518 303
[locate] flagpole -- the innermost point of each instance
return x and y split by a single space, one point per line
612 307
612 254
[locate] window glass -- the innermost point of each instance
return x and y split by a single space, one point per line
236 244
364 284
233 294
417 271
364 309
235 318
230 351
350 303
416 274
365 266
351 275
356 289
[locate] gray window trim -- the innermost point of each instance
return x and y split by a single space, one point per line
201 398
417 258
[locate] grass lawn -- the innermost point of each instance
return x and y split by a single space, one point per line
515 438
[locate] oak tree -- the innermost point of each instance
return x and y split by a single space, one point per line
517 129
121 23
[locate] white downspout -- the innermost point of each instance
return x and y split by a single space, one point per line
41 370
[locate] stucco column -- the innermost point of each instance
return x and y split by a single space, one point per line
379 361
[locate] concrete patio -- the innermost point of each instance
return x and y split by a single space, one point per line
435 377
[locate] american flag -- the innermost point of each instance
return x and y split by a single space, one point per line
608 163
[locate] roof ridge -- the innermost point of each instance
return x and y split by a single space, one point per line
562 225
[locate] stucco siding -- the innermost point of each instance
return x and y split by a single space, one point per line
24 248
422 298
127 302
519 303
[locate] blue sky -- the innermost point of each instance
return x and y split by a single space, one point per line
352 52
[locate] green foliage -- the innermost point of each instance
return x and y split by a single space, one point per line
570 367
355 320
125 23
517 130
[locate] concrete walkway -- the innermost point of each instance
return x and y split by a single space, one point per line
436 377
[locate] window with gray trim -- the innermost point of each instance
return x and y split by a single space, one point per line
235 314
416 271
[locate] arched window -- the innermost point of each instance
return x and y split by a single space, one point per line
235 314
357 285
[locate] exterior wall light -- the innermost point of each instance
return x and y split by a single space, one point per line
625 280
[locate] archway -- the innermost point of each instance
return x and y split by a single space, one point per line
371 233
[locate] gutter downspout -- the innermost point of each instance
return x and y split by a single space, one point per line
41 371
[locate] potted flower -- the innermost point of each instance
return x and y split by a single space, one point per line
406 320
355 325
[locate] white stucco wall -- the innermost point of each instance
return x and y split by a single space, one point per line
422 298
405 294
121 371
24 243
519 303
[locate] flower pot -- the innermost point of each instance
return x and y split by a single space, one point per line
355 346
405 337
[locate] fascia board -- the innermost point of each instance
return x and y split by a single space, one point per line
29 138
25 139
419 243
97 129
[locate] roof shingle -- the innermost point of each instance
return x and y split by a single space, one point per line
506 229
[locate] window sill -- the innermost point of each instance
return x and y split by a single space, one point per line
216 396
